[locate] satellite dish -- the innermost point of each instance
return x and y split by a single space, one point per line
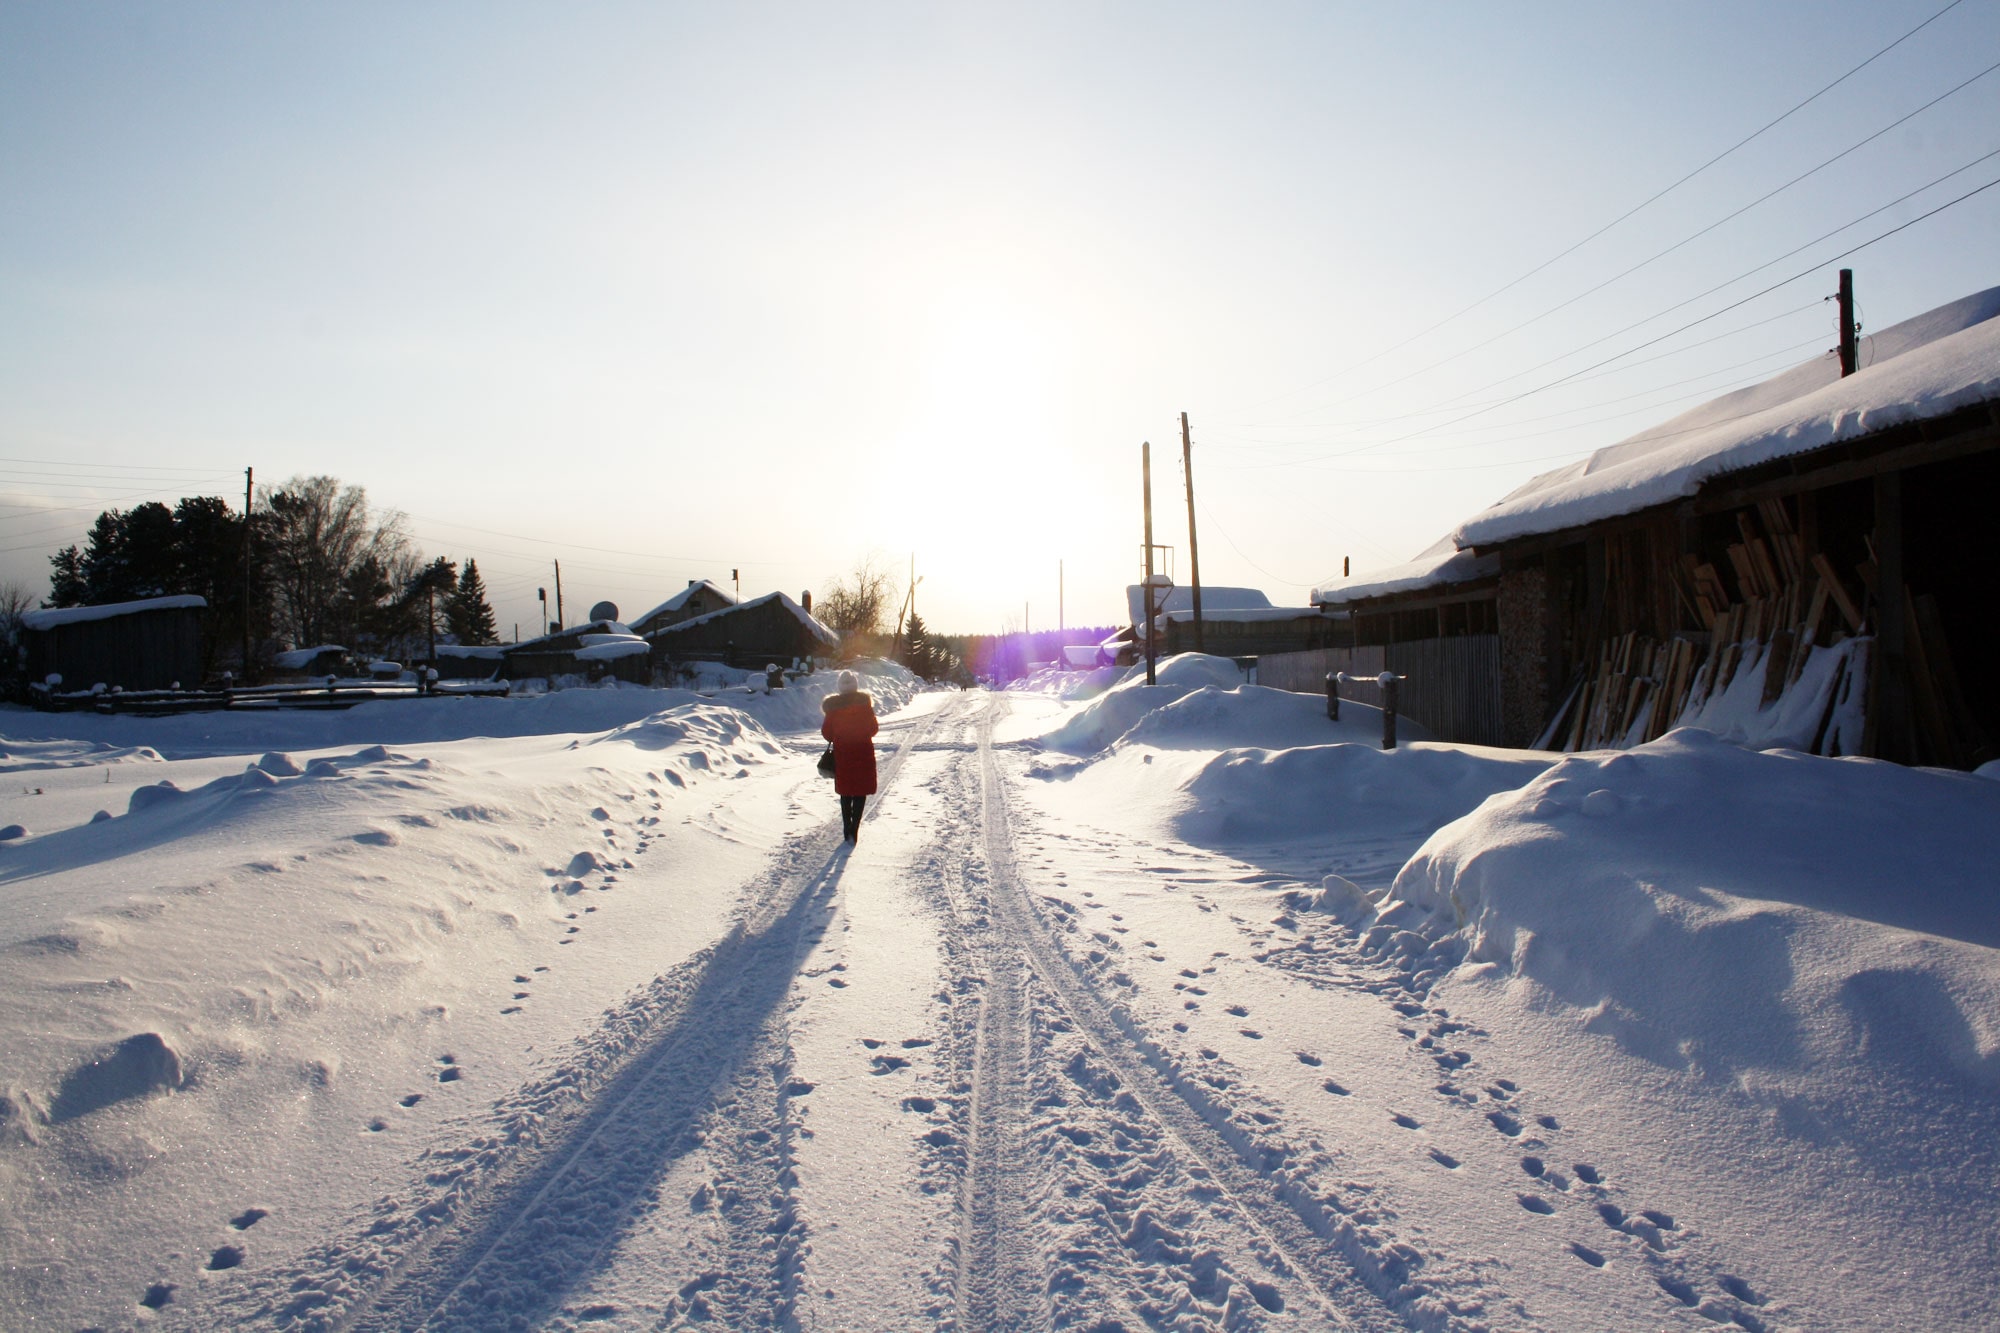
604 611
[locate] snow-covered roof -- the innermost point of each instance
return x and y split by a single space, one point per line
1239 615
680 599
73 615
1440 566
1182 599
604 647
804 617
484 652
297 659
1929 366
588 627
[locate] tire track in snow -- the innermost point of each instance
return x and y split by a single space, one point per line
528 1212
1289 1232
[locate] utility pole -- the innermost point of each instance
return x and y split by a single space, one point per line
736 580
1062 623
561 622
1194 552
431 619
1146 589
1849 352
248 475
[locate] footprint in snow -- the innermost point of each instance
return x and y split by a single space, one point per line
228 1256
1535 1203
248 1218
1740 1289
412 1099
1252 1033
1505 1123
1679 1290
1308 1058
1335 1088
1444 1159
889 1064
1585 1253
1533 1166
1407 1122
158 1296
1238 1010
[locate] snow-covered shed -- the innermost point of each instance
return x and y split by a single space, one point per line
771 628
699 598
152 644
592 650
1235 622
1802 562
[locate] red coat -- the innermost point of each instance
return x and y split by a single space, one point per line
850 724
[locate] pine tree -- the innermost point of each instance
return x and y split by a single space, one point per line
918 654
467 615
66 582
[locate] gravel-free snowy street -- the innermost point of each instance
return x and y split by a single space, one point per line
1176 1007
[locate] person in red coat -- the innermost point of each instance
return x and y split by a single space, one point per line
849 722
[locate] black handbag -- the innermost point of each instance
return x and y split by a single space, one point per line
826 763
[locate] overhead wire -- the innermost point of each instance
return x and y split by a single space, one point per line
1495 404
1629 213
1685 240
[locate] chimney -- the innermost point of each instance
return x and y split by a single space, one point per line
806 601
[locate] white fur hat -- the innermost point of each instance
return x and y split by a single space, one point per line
849 682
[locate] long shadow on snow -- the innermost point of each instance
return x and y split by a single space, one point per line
546 1233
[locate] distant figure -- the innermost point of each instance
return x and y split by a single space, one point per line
849 723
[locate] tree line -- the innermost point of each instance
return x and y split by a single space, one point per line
311 564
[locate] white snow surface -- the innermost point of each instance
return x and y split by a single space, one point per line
73 615
1171 1007
1925 367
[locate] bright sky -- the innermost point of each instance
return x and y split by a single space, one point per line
662 290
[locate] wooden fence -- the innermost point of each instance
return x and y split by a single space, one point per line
1452 686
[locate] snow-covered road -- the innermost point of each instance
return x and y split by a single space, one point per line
609 1030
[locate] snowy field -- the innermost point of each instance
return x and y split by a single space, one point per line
1172 1007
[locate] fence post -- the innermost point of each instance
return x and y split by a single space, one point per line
1389 683
1333 696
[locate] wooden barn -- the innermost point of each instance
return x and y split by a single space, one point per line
153 644
1800 563
771 628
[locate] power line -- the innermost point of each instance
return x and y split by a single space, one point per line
1804 273
1643 204
1685 240
1453 406
1678 305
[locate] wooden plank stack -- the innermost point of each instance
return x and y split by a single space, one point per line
1788 602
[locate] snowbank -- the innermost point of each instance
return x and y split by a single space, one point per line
1112 714
1720 910
1274 795
441 718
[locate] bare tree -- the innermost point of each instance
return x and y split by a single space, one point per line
333 567
857 603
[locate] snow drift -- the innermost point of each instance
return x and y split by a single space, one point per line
1721 910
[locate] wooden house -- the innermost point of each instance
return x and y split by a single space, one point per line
154 644
1800 563
771 628
699 598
